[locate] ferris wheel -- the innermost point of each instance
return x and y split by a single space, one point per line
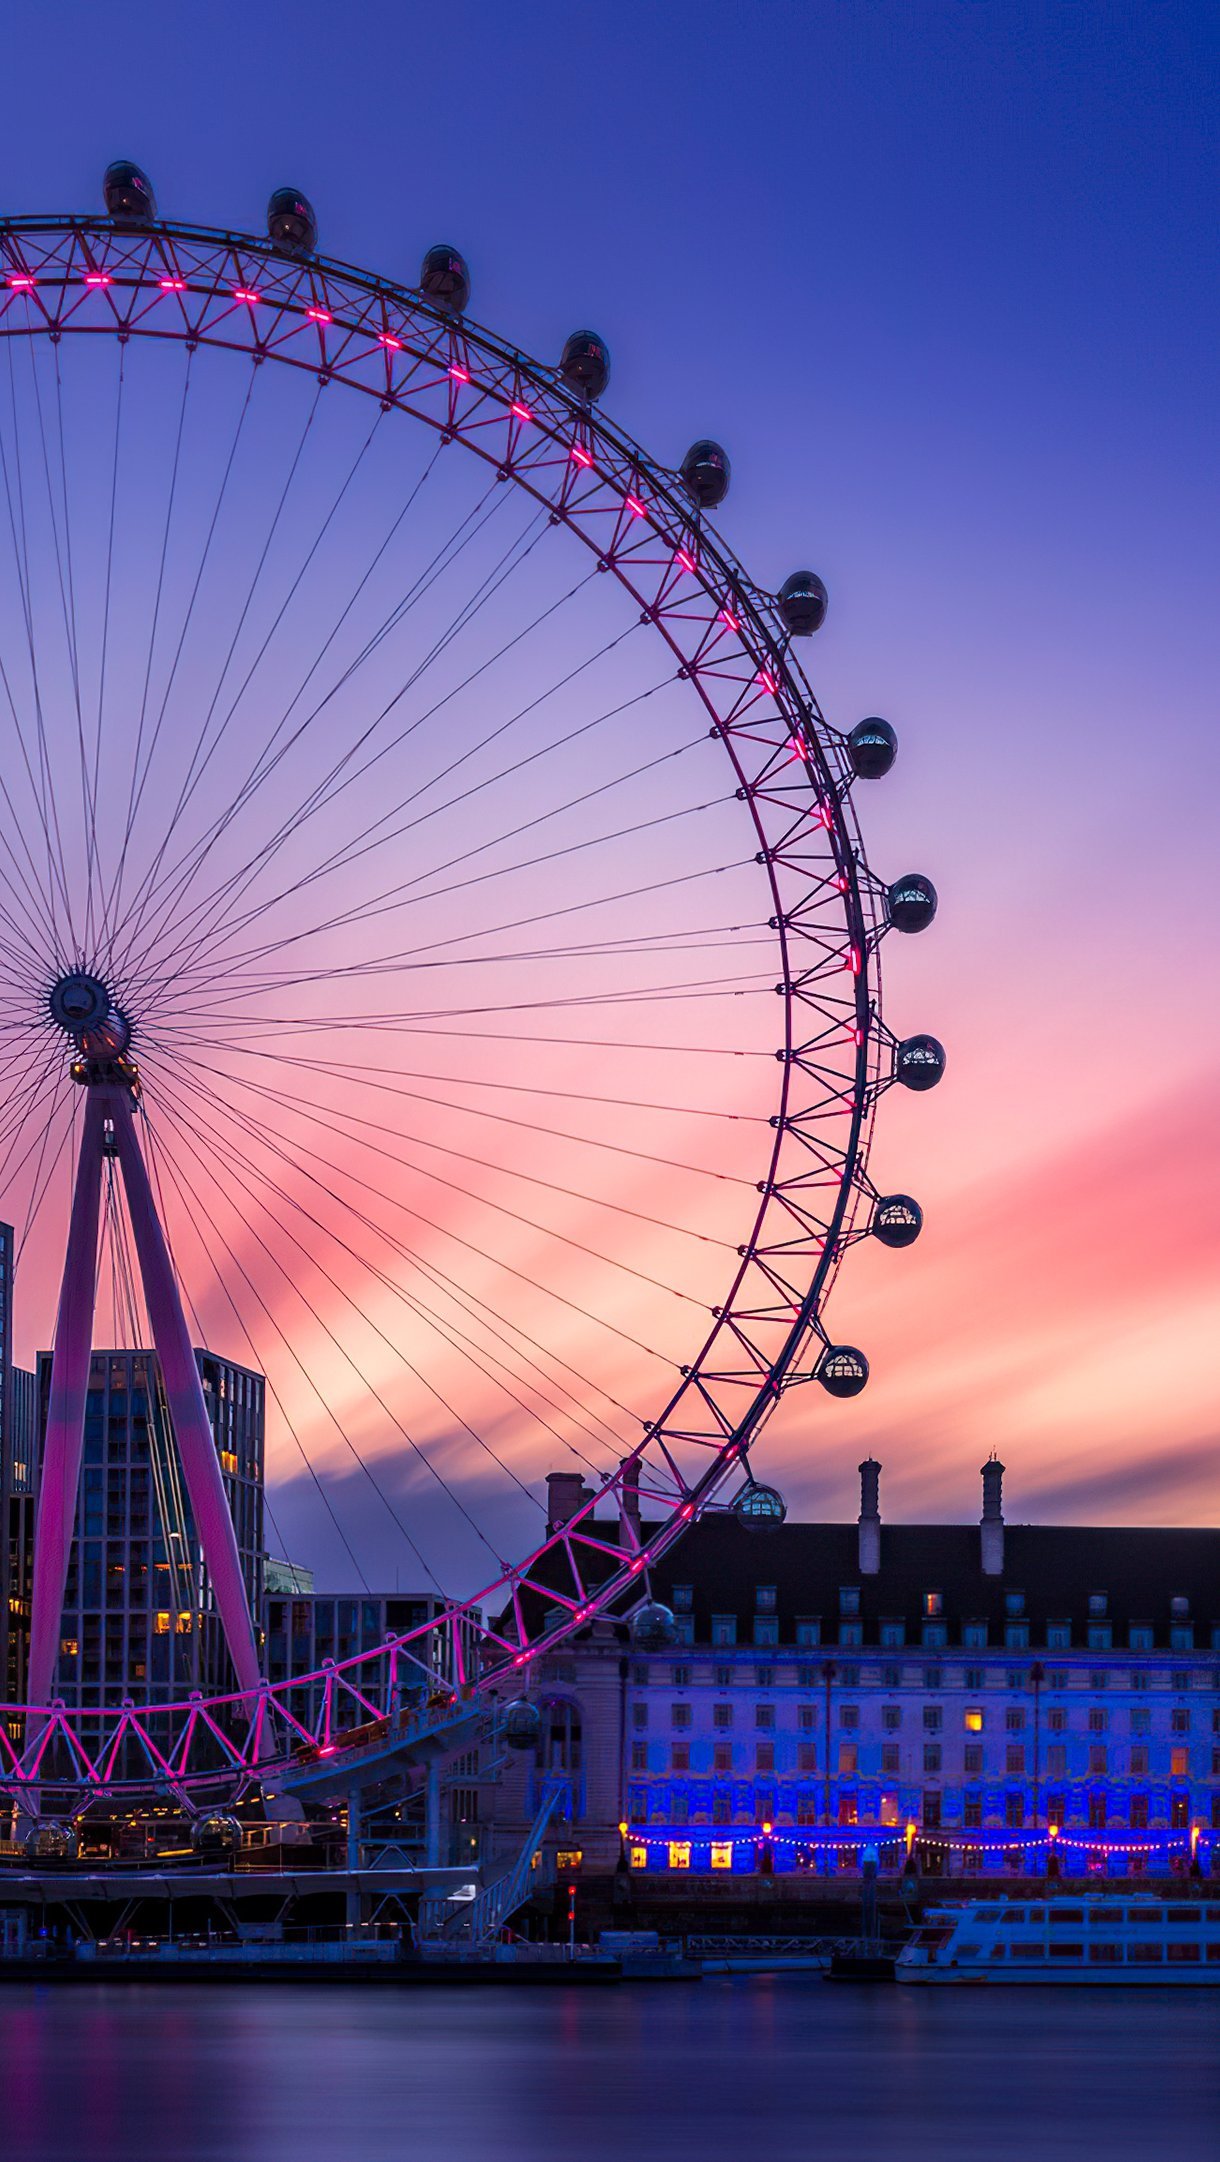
441 962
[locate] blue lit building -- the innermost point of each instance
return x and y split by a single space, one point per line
967 1699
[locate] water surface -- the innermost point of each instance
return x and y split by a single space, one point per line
743 2068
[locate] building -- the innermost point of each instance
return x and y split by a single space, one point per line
139 1617
983 1698
18 1445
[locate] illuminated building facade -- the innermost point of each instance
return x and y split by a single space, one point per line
139 1616
983 1698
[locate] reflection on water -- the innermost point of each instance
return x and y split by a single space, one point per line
768 2072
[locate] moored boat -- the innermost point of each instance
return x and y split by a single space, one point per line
1105 1941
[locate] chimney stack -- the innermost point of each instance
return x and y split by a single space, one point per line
565 1494
629 1532
992 1525
870 1517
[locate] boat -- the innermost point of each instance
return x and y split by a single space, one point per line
1101 1941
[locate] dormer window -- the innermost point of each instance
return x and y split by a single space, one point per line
1179 1608
764 1598
1098 1601
684 1598
1014 1602
849 1599
933 1605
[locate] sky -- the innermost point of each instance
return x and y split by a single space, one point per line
943 282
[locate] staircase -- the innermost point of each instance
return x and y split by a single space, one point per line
475 1924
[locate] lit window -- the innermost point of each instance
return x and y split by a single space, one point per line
679 1854
974 1720
1179 1763
933 1604
722 1854
638 1857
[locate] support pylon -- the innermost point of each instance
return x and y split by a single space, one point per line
108 1104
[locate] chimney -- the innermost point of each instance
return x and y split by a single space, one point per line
630 1535
992 1526
565 1494
870 1516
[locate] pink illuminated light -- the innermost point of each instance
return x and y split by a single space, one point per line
520 412
459 374
98 277
319 315
246 293
173 285
769 682
391 343
580 456
684 560
637 509
729 620
21 282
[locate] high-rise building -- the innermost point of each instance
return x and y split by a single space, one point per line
139 1616
18 1440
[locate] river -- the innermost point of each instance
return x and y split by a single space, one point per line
727 2070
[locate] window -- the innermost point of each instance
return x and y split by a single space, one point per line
679 1854
808 1633
972 1811
766 1630
931 1756
721 1809
847 1757
1097 1602
1097 1812
1139 1636
891 1678
974 1678
1014 1811
764 1598
974 1719
1056 1720
1057 1678
932 1677
764 1677
935 1635
679 1715
1099 1679
851 1634
639 1712
1097 1759
724 1628
1055 1807
893 1634
722 1715
806 1677
679 1757
639 1756
849 1599
764 1715
1014 1757
764 1756
1014 1719
1100 1636
807 1717
1179 1720
1014 1602
722 1756
1016 1636
890 1757
1141 1721
1056 1760
933 1718
931 1811
891 1718
974 1635
849 1715
681 1678
1179 1763
1179 1607
806 1757
724 1677
683 1598
1137 1813
1059 1636
933 1605
1139 1758
972 1757
1097 1720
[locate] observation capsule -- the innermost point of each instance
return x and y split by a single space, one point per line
706 473
872 747
129 194
522 1724
919 1062
912 902
584 364
216 1833
653 1627
897 1220
51 1841
445 279
803 601
292 227
760 1508
842 1370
